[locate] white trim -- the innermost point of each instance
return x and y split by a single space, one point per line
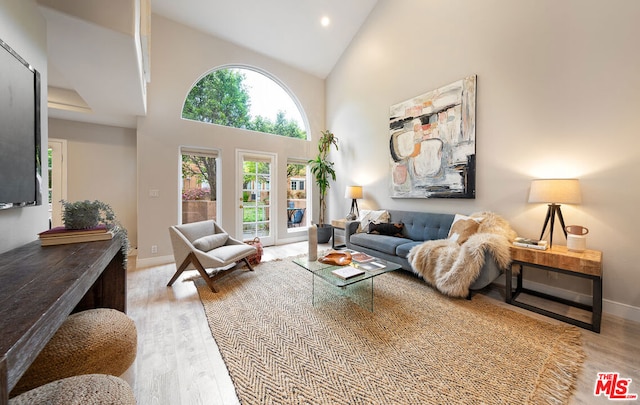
154 261
294 239
621 310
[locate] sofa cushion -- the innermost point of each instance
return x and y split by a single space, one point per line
381 243
403 250
463 227
388 229
422 225
210 242
368 216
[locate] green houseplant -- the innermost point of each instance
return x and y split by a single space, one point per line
86 214
89 214
322 169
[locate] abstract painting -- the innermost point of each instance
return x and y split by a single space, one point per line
433 143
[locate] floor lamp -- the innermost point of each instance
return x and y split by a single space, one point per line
553 192
353 192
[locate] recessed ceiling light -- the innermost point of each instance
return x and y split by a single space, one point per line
325 21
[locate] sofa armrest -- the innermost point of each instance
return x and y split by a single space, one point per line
489 272
350 228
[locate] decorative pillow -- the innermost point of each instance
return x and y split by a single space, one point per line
210 242
368 216
463 227
392 229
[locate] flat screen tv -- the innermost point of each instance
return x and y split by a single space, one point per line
20 148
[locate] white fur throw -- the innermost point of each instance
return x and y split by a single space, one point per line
451 268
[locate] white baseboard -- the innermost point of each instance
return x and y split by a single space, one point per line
154 261
621 310
291 239
618 309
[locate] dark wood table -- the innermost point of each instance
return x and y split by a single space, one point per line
41 286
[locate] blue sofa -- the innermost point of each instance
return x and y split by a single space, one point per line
417 228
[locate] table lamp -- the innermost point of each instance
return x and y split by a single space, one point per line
553 192
353 192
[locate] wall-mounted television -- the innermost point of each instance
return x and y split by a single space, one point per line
20 147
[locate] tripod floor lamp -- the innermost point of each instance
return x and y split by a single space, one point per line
554 192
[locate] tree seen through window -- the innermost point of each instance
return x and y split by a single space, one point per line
242 98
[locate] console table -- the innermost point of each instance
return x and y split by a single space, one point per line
40 287
559 259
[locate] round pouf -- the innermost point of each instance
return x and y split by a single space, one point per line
96 341
90 389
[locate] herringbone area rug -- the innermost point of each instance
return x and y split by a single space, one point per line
418 347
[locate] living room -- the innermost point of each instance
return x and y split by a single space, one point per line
557 97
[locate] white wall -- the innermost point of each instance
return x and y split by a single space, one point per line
101 165
558 96
23 28
179 57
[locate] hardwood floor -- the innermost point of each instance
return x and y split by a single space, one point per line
178 361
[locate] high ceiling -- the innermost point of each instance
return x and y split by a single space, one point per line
91 51
287 30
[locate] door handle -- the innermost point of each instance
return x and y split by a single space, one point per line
241 206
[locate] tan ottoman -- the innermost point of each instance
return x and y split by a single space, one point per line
87 389
97 341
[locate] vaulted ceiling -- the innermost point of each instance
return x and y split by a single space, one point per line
97 50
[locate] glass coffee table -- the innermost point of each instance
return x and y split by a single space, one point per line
359 288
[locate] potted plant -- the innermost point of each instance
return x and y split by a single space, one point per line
86 214
89 214
322 169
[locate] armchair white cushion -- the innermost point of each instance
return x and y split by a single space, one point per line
205 245
210 242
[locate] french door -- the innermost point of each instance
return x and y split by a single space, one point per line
256 181
57 164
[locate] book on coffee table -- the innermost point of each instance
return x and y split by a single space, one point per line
347 272
361 257
372 265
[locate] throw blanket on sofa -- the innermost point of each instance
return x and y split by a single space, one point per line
451 268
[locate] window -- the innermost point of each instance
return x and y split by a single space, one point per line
244 98
199 185
296 194
297 184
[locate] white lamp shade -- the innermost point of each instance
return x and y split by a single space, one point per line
561 191
353 192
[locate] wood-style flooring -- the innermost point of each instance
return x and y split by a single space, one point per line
178 361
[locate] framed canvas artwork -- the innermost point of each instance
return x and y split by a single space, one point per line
432 140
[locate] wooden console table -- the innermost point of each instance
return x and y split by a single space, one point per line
41 286
559 259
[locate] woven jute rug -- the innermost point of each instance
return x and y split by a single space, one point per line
417 347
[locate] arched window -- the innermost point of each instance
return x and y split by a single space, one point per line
244 98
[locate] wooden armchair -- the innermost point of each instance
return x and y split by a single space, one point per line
204 245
